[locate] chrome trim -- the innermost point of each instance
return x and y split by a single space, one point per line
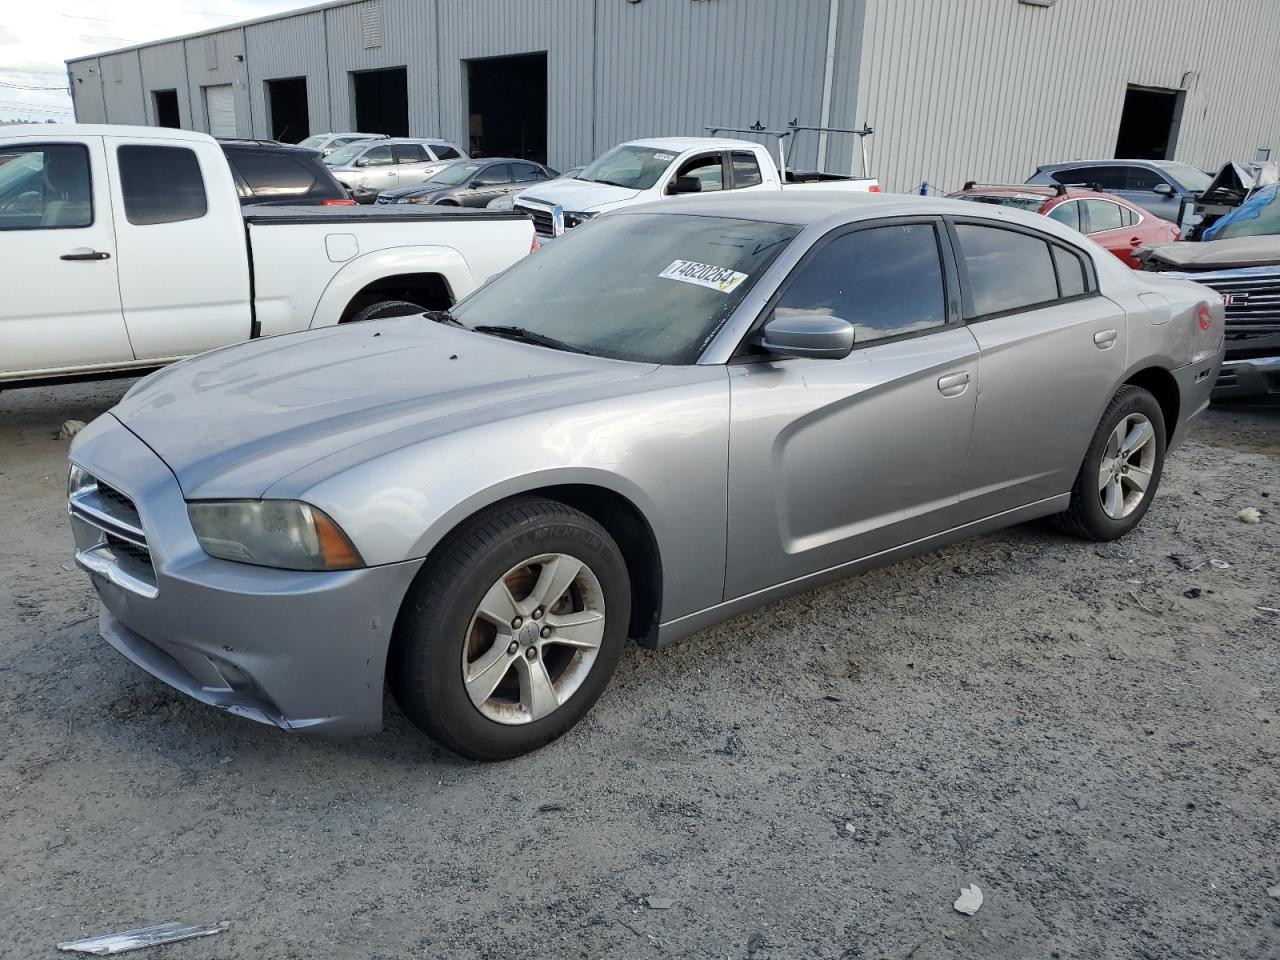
104 521
87 506
100 560
1255 362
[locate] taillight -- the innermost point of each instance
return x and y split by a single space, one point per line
874 188
337 203
1205 317
1207 339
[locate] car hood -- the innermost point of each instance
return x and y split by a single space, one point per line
1256 251
235 421
578 195
417 190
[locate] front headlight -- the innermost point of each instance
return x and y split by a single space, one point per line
77 480
418 199
572 220
286 534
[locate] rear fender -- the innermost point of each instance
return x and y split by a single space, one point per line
372 267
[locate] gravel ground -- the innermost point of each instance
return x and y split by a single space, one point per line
1089 733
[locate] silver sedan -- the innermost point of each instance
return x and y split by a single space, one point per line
678 413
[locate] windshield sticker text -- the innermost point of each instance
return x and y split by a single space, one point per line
704 275
664 156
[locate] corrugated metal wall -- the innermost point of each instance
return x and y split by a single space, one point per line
283 48
163 68
211 61
989 89
474 29
122 87
86 91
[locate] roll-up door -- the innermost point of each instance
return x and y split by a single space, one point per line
220 107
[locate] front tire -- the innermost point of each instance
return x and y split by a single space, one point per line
386 308
1121 469
512 631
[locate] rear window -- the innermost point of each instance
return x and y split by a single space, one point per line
444 152
160 184
273 175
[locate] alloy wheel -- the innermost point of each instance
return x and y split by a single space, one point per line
1124 475
533 639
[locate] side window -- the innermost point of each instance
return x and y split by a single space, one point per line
1140 178
1106 177
1128 217
886 281
494 173
160 184
521 172
444 152
1103 215
746 170
1007 270
408 153
1067 213
1073 275
707 169
45 186
378 156
274 176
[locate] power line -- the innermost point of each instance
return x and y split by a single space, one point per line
23 86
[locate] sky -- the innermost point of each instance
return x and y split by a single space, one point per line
37 36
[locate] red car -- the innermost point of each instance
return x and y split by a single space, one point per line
1116 224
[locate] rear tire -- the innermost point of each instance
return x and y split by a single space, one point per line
1121 469
386 308
487 660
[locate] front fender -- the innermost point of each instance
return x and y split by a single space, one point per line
381 264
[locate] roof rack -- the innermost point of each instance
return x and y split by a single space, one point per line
1057 188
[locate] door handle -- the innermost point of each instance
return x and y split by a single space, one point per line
953 384
84 253
1104 339
1135 241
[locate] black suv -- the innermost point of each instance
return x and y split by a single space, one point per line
267 172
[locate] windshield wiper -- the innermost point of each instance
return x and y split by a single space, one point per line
527 336
445 317
609 183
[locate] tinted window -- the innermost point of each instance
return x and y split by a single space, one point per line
409 153
445 152
707 170
1068 213
886 281
1127 217
378 156
160 184
1007 270
45 186
1108 178
527 171
1071 271
275 175
1103 215
1140 178
494 173
746 170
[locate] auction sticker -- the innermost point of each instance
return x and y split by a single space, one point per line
664 156
704 275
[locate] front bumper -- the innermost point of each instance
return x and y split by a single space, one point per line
294 649
1253 377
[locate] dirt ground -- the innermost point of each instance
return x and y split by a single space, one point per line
1089 733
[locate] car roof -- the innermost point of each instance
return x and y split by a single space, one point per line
46 130
802 208
266 146
681 144
1152 164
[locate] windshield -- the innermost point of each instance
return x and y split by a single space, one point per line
1023 202
1197 181
1259 216
313 142
453 175
647 287
346 155
636 168
18 171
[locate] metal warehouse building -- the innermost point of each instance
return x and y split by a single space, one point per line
955 89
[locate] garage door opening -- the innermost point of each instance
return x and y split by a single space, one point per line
507 103
287 109
220 110
1149 123
382 101
165 103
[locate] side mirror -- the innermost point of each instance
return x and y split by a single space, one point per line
362 162
807 335
685 185
1164 189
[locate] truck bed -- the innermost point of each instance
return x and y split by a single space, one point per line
268 216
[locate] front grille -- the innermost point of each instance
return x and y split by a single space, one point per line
382 199
543 221
1253 301
110 539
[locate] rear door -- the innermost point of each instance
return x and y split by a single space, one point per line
834 460
184 265
1107 227
1052 350
60 307
412 162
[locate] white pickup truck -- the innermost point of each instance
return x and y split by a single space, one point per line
641 171
124 248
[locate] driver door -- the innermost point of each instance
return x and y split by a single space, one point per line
488 183
61 304
831 461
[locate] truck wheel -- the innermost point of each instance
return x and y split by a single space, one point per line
386 308
512 630
1121 471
